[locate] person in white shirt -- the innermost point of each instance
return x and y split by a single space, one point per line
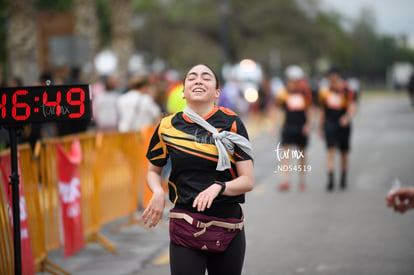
104 105
137 107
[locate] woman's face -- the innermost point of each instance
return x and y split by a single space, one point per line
200 85
291 86
337 84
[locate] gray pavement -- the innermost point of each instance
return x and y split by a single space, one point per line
312 232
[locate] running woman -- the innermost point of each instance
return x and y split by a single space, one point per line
338 106
296 102
203 178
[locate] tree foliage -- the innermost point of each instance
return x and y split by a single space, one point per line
275 33
187 31
53 5
104 16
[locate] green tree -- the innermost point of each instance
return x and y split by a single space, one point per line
54 5
104 23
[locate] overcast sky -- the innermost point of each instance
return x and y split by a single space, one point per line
392 16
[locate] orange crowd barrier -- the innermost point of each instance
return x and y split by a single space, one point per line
114 178
132 149
113 185
135 149
89 190
29 170
29 179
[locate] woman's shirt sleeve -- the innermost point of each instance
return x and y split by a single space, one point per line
157 152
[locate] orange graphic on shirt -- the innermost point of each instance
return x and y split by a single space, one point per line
335 101
295 102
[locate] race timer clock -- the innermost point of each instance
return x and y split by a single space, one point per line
20 105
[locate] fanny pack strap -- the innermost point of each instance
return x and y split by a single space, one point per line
204 225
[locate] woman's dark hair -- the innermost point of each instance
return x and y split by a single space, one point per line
333 70
214 73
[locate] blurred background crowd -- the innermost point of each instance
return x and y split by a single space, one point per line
121 46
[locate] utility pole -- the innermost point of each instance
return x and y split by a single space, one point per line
225 9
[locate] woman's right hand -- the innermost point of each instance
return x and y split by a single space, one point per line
205 198
155 209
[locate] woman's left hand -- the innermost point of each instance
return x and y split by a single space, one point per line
344 121
206 197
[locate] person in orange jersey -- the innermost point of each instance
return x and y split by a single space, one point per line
296 102
211 170
337 107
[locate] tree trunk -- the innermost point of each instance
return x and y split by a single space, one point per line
22 41
122 37
86 24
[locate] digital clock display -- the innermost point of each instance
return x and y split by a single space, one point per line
44 103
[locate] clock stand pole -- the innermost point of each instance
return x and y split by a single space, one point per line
15 181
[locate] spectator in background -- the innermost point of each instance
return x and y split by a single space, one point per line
15 81
338 106
104 105
265 95
229 94
262 109
75 76
137 108
160 95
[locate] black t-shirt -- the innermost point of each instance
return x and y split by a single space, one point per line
194 155
295 105
335 103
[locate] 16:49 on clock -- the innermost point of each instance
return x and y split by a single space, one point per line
44 103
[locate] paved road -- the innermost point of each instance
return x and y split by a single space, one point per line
312 232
